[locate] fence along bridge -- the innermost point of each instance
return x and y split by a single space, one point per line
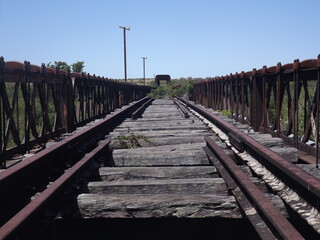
193 163
40 103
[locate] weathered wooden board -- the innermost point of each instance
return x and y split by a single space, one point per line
163 102
161 109
115 144
145 121
163 205
175 158
164 133
161 128
162 149
127 173
163 116
267 139
169 155
157 205
160 186
311 168
288 153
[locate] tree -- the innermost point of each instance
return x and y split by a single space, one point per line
60 65
78 67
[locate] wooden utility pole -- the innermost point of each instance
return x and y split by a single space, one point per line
125 51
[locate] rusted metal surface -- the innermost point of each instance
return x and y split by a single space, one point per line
183 109
300 181
138 113
49 195
19 182
38 103
281 99
278 224
236 142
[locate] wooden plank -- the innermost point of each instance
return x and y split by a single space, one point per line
162 115
142 121
164 133
306 158
313 169
145 124
154 109
162 102
162 149
127 173
267 140
161 128
115 144
187 159
175 157
157 205
288 153
162 186
163 205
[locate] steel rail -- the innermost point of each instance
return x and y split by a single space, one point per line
300 181
136 114
183 109
48 195
24 173
276 222
16 171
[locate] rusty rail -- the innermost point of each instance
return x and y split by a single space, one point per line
250 197
138 113
20 182
39 103
183 109
282 100
300 181
49 195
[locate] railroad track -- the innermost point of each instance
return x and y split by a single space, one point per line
183 161
34 191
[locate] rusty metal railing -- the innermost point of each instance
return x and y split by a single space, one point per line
38 103
282 100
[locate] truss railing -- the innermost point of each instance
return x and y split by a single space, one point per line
39 103
282 100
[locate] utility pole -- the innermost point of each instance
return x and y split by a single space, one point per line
144 69
125 51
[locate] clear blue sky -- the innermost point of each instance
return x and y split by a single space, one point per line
198 38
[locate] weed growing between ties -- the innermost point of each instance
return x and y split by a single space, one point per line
226 113
132 140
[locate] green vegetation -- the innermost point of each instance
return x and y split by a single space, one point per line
75 67
226 113
179 88
304 107
131 141
14 91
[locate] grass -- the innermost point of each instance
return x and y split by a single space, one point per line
131 141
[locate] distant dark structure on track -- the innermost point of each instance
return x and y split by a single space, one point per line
162 77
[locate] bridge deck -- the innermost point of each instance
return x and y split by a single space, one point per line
169 175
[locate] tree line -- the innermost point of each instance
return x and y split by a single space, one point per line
76 67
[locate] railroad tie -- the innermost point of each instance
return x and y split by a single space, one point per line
166 174
169 175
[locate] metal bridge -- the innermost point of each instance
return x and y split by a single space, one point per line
81 153
39 103
282 100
